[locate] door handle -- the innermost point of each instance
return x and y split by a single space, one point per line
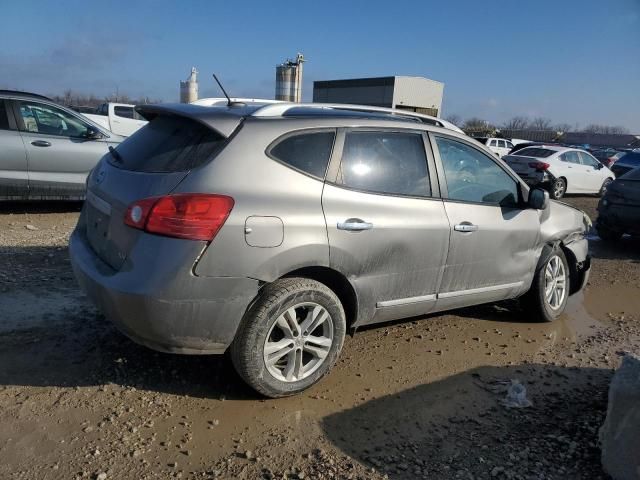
40 143
354 225
465 227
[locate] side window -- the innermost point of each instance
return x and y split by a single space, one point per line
471 176
509 144
125 112
385 162
4 119
308 152
571 157
41 118
588 160
493 143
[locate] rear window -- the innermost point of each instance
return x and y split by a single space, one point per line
630 159
535 152
167 144
308 152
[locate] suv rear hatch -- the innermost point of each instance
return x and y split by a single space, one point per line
150 163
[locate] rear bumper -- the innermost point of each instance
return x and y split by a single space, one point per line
164 308
619 218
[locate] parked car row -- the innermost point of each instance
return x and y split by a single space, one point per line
560 170
619 208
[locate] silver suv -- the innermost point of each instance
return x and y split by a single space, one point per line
272 230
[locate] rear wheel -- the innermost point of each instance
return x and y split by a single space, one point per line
549 292
290 338
558 188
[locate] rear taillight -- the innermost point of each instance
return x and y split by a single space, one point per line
539 166
192 216
610 161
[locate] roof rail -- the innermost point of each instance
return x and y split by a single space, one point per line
279 109
24 94
221 101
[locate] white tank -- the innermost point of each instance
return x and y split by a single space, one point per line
189 88
289 80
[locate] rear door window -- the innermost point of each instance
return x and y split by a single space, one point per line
571 157
167 144
385 162
308 152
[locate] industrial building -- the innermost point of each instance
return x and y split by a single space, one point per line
417 94
289 80
189 88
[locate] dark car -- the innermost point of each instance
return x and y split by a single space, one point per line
608 156
626 163
619 208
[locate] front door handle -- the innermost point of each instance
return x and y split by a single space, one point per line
354 225
40 143
465 227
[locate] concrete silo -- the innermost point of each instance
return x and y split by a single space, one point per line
189 88
289 80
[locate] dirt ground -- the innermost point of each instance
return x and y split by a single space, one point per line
418 399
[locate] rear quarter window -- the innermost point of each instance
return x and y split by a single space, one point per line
308 152
167 144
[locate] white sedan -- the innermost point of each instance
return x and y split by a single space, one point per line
560 169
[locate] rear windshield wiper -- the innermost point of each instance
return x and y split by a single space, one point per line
115 154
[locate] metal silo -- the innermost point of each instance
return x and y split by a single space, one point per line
289 80
189 88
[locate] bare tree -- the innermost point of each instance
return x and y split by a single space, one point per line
516 123
595 128
563 127
540 123
455 119
475 123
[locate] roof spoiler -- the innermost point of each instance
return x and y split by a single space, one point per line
221 122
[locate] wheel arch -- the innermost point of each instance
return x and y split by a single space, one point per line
337 282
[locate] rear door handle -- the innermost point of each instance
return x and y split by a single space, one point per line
40 143
465 227
354 225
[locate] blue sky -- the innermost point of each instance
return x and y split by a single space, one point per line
569 60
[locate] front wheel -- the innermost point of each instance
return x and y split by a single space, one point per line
604 187
549 292
290 338
558 188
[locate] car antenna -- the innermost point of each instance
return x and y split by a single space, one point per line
229 102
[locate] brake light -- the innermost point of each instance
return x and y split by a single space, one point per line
539 166
192 216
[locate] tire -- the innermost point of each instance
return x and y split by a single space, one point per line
607 234
278 316
558 188
604 186
536 301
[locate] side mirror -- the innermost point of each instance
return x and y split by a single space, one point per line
599 166
93 134
538 199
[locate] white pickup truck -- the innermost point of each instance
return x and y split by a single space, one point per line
120 118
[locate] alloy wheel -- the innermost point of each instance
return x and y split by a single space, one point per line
298 342
558 189
555 289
